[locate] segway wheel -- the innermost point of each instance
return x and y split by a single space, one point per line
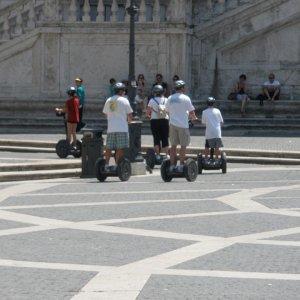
200 163
150 158
62 148
77 153
124 169
190 170
100 164
224 163
164 171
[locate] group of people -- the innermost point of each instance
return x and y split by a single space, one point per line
270 92
142 90
170 117
169 121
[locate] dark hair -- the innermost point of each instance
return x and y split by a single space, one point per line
159 75
243 76
141 76
175 78
112 80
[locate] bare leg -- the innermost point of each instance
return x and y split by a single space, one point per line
173 155
157 149
182 154
119 155
206 152
107 156
217 152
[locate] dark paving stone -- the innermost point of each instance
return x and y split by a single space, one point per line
87 213
280 202
249 258
290 237
37 284
83 247
221 225
206 288
4 224
79 198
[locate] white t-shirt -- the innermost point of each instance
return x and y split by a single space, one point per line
179 106
212 118
117 109
154 105
272 85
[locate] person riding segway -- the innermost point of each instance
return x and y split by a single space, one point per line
119 114
212 118
64 147
180 109
156 110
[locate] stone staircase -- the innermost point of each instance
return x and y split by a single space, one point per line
279 119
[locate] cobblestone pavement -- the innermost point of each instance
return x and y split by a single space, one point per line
225 236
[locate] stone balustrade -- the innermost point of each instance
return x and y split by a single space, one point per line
25 15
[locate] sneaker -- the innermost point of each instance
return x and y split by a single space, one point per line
166 157
157 156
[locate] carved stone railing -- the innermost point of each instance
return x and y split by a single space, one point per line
209 9
25 15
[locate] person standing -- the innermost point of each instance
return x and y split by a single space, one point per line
180 108
81 95
119 114
159 121
213 120
159 81
72 109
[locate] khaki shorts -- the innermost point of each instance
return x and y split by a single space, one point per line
179 136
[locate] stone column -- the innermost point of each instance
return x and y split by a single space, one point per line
73 11
156 11
51 10
5 36
86 11
114 11
18 29
142 12
31 17
100 11
220 7
232 4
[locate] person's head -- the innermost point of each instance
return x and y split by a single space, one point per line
179 86
78 81
210 101
176 78
243 77
157 90
159 77
141 77
119 88
271 77
71 91
112 81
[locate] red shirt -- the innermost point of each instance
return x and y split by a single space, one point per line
72 106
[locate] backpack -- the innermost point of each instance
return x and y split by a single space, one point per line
161 110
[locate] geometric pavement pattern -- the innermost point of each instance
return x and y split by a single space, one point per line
224 236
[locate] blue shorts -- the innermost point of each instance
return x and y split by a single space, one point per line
117 140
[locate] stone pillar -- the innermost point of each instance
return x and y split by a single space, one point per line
31 17
73 11
156 11
86 11
100 11
220 7
5 36
18 29
142 12
114 11
232 4
51 11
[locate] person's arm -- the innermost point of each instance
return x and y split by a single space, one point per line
193 116
129 118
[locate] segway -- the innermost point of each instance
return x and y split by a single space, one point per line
189 172
121 170
211 163
152 159
63 149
